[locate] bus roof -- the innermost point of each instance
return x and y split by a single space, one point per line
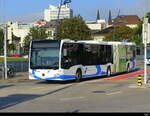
100 42
87 42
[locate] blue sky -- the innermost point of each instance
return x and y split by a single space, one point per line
27 9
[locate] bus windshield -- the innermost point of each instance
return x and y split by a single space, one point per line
44 58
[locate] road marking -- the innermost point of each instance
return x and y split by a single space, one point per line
135 86
113 93
73 98
38 88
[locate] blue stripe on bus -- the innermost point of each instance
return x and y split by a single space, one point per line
62 77
65 77
99 72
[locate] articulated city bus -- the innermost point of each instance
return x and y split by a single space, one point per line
68 60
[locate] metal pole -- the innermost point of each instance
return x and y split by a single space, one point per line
145 44
145 48
5 52
145 65
58 19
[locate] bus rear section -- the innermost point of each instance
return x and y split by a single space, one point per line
124 57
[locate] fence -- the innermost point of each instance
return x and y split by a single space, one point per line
20 66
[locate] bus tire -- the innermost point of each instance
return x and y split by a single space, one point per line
11 73
108 71
78 75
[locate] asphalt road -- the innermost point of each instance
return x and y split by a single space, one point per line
90 95
96 95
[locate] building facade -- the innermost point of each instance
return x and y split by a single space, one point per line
96 25
16 33
52 13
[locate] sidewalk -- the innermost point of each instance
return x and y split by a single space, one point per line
19 77
135 85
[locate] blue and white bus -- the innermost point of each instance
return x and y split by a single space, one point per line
68 60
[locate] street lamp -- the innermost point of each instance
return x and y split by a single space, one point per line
58 17
5 51
145 37
4 27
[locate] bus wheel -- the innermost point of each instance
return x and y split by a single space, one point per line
108 72
78 75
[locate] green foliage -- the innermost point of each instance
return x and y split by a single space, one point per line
138 29
14 59
137 34
148 16
137 37
10 47
1 40
36 33
119 33
74 28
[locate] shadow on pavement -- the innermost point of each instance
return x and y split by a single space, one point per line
55 82
12 100
6 86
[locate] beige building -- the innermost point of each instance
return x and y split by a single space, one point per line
96 25
19 30
16 33
100 35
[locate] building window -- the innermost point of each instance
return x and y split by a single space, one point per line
50 33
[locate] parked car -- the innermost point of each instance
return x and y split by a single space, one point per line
10 70
15 56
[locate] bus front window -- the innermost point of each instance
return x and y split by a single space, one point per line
45 58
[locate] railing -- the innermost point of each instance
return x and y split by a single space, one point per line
19 66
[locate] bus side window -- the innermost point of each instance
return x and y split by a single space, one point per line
64 52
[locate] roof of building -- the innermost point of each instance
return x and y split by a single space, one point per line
104 31
127 19
51 24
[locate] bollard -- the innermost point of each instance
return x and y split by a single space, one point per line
139 80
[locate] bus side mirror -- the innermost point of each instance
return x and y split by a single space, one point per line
64 52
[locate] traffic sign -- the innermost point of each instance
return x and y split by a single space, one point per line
146 31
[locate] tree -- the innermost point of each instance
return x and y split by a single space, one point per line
148 16
36 33
74 28
137 34
119 33
1 40
137 38
11 48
